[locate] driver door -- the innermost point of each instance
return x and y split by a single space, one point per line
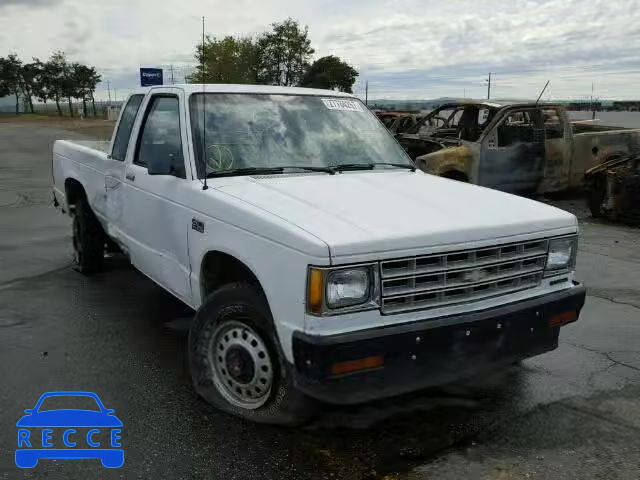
513 152
156 221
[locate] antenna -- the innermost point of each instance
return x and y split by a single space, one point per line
545 87
204 115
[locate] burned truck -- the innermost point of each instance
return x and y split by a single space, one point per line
519 147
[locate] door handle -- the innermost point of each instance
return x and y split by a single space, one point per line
111 182
130 176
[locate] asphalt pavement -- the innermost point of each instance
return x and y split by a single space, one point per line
571 413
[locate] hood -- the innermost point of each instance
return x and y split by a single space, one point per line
377 211
69 418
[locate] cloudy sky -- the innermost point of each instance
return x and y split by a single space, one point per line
404 48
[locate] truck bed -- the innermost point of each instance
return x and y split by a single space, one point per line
85 161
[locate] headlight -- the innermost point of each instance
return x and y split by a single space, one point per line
562 254
331 290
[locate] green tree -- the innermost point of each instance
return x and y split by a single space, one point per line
11 77
28 78
54 71
283 53
331 73
228 60
83 81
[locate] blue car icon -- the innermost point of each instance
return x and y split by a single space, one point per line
43 431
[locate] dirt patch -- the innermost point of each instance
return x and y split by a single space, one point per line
94 127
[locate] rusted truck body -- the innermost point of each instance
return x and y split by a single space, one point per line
521 147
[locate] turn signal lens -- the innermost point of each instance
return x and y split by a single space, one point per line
315 290
366 363
562 318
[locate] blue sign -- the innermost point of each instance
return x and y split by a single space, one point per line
150 77
43 432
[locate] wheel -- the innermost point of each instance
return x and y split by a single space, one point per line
235 360
597 192
88 239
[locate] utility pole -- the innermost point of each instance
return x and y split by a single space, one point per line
489 86
109 91
593 107
172 81
366 93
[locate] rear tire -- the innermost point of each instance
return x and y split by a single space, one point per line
88 239
236 363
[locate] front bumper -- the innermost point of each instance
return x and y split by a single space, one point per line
417 355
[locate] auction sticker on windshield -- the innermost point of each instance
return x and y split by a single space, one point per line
344 105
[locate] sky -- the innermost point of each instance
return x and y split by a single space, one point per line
404 49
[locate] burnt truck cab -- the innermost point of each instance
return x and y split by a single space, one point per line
523 147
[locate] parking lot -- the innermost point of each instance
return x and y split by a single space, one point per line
571 413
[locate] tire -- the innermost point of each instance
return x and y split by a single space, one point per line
597 192
227 367
88 239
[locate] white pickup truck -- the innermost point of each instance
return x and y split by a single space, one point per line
321 264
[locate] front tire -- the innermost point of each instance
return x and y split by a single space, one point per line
88 239
235 360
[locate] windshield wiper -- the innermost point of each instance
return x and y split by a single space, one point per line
232 172
370 166
408 166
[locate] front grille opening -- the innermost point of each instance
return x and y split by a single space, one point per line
487 254
428 280
480 288
530 263
508 267
454 293
428 262
400 265
535 246
509 250
457 258
425 297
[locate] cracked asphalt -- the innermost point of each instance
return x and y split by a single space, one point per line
571 413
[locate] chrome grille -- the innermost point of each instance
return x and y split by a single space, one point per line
430 281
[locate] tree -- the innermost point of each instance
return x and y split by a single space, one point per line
28 78
54 71
331 73
10 77
41 86
229 60
283 53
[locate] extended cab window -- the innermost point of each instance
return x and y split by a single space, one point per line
552 123
120 143
160 138
521 127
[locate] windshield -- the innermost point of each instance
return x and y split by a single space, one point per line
269 131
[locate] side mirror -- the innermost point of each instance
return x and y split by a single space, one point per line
29 410
109 411
161 165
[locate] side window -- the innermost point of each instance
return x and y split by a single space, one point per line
119 150
520 127
552 123
160 139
